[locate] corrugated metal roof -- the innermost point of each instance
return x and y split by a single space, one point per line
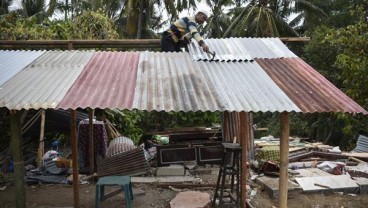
107 81
170 82
173 82
45 81
241 49
307 88
244 86
11 62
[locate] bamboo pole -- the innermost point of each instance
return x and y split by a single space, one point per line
41 145
73 135
284 157
244 137
16 146
91 142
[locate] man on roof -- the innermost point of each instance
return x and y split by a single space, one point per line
171 38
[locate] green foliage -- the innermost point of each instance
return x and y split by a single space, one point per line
90 25
133 124
352 59
341 56
126 122
321 55
93 25
14 27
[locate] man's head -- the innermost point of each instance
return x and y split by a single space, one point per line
201 16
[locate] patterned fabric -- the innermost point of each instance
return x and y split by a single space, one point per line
100 142
183 26
269 153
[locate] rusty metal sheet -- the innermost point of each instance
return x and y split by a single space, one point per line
108 81
307 88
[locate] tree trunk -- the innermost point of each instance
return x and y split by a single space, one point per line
132 18
140 19
66 10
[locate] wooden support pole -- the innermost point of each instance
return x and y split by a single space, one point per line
73 135
125 43
17 152
91 142
244 137
284 159
41 145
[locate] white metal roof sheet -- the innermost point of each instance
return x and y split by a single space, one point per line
45 81
241 49
174 82
11 62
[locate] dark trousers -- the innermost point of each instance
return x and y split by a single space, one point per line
168 44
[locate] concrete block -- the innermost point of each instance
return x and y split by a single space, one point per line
172 170
362 183
323 184
271 186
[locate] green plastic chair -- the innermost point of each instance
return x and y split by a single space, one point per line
122 181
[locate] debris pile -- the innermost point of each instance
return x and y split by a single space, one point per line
313 167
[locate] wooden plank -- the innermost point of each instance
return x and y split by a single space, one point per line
244 138
17 153
91 142
41 145
356 154
73 135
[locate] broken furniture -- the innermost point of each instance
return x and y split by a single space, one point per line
122 181
206 153
230 167
202 145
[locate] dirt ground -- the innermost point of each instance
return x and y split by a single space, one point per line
151 196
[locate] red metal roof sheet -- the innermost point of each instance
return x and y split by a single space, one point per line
307 88
107 81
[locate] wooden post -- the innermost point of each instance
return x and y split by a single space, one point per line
73 135
91 143
41 145
244 136
284 159
17 152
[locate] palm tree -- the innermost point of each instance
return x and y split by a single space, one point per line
264 18
4 6
37 8
142 17
219 21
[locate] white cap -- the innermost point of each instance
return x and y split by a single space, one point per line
203 12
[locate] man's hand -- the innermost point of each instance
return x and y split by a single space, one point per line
186 40
205 48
